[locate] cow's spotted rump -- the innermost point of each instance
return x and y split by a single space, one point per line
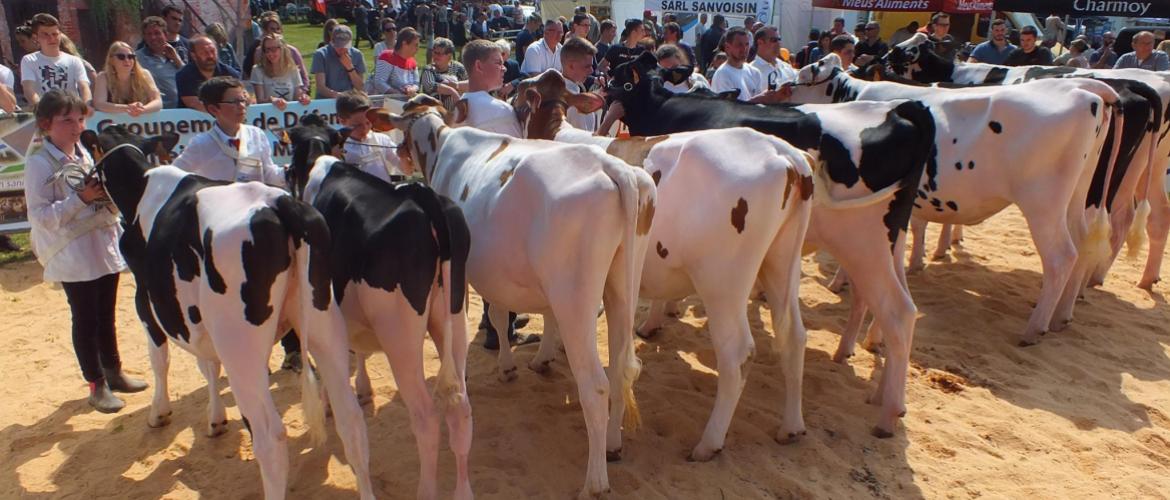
194 315
953 206
995 127
739 215
662 251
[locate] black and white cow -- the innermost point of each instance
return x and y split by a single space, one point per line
986 157
913 59
398 270
866 149
223 270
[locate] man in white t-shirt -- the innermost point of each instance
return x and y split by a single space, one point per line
738 76
49 68
485 72
545 53
7 89
774 72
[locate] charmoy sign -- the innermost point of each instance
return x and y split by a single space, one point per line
1109 8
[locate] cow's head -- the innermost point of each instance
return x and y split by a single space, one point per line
310 139
122 159
422 122
821 71
909 57
633 80
542 103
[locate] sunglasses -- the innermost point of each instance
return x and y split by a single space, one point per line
125 57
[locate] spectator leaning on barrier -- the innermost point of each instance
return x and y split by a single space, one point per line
396 71
204 65
338 67
275 78
996 49
372 152
441 78
1029 52
124 86
160 59
75 238
546 53
51 68
227 53
1144 56
270 24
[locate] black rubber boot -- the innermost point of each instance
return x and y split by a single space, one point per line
292 361
119 382
102 399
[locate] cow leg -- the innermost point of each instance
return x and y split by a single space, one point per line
458 415
365 390
873 336
216 414
499 318
1058 256
848 343
734 347
957 236
781 273
160 363
1158 226
402 340
578 324
944 242
549 345
619 302
918 250
654 320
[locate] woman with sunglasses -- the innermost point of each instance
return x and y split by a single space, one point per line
123 86
275 79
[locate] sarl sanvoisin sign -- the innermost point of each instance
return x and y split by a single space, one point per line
1113 8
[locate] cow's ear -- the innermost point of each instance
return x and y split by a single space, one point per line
459 114
420 101
89 139
647 59
161 146
585 102
380 119
676 75
338 137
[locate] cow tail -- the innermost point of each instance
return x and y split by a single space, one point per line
637 198
1096 240
1136 238
311 242
448 390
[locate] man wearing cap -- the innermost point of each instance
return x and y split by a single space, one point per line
338 67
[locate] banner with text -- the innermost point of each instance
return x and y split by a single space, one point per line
761 9
18 140
952 6
1082 8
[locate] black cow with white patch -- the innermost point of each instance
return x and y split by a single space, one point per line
873 152
222 270
398 269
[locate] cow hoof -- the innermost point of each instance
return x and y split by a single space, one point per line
217 429
648 335
540 367
613 456
874 348
159 421
880 433
590 495
1060 325
1029 340
365 399
915 268
790 437
938 257
842 357
508 375
1148 285
698 455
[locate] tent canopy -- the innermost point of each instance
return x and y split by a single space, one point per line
952 6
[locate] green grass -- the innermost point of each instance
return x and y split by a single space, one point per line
306 37
25 252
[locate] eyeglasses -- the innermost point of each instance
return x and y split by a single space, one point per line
125 57
237 102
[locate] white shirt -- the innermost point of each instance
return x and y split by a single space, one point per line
284 87
380 162
746 80
73 241
207 155
7 78
539 58
782 71
489 114
695 81
588 122
65 72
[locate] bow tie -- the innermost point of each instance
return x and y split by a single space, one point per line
235 143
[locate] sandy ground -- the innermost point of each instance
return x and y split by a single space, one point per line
1085 414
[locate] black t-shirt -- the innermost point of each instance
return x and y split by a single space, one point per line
1040 56
878 49
620 54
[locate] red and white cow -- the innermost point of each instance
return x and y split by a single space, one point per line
720 221
987 157
555 229
223 270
